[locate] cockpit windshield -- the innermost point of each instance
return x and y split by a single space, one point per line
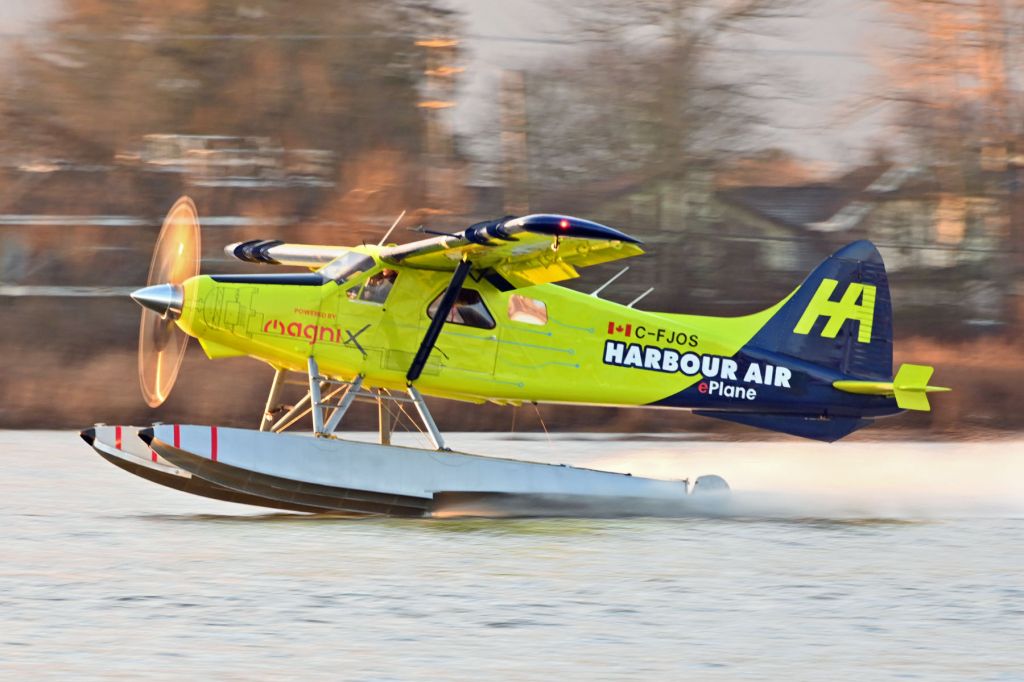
347 266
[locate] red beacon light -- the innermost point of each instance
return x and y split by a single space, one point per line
563 224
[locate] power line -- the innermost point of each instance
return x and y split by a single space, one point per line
323 37
663 238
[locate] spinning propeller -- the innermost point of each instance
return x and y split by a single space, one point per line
161 343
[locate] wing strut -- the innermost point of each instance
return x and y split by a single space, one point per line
440 315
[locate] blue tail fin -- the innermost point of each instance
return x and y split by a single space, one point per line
840 317
833 339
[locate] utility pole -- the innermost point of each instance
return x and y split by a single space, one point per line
438 100
993 67
515 157
1015 250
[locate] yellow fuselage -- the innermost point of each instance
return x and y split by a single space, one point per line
548 343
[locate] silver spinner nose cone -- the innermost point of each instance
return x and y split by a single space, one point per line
166 300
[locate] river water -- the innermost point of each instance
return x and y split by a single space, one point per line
851 561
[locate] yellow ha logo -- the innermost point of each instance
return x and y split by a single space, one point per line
838 312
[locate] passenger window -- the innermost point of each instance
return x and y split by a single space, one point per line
527 310
469 309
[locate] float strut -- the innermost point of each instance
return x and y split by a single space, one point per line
346 402
314 398
275 393
432 431
291 415
383 418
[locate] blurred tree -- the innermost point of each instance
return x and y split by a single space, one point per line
649 95
317 102
316 75
950 71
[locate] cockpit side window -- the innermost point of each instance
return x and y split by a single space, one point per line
347 266
469 309
376 288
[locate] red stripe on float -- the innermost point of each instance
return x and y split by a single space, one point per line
213 443
117 437
177 436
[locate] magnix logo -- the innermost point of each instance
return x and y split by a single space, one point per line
857 303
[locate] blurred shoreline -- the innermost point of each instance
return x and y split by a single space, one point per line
87 380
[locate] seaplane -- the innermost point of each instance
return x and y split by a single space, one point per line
476 316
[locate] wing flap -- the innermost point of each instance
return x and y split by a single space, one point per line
522 276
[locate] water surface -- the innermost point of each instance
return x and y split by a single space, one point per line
856 561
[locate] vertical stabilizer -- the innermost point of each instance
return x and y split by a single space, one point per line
840 317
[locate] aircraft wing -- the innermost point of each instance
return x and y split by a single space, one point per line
519 252
277 252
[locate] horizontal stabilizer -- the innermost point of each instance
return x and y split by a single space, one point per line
828 429
910 387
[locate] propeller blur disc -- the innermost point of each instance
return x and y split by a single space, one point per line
161 343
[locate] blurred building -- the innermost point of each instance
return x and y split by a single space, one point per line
954 258
231 161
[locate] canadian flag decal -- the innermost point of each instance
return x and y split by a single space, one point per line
614 329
